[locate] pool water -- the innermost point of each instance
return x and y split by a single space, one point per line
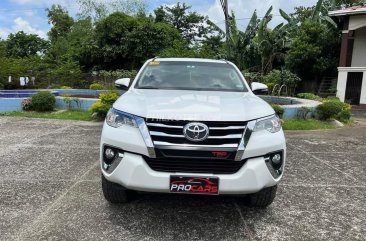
20 93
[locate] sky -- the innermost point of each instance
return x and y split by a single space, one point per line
30 15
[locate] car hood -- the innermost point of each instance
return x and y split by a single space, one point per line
193 105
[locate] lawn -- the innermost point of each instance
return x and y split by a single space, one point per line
61 115
310 124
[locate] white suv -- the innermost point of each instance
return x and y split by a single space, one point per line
191 126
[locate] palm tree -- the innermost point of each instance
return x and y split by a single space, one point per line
241 42
319 13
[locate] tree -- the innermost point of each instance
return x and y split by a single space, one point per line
314 52
69 37
179 48
20 45
79 39
214 41
148 39
160 14
319 12
191 25
244 50
123 41
258 46
98 10
112 36
2 48
61 22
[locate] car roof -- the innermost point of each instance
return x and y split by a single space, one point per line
190 60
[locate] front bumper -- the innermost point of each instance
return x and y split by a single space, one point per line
134 173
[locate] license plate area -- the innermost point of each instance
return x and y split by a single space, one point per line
194 185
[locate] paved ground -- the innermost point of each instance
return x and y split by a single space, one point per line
50 190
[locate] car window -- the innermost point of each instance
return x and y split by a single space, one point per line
190 76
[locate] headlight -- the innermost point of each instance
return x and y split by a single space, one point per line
117 118
271 124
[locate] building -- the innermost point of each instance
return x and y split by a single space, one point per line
351 85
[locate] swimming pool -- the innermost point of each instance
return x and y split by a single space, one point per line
21 93
291 105
11 100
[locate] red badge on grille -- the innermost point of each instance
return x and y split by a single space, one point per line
219 153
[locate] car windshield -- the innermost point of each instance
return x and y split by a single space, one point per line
185 75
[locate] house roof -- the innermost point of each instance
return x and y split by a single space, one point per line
354 10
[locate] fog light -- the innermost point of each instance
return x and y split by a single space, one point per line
274 162
276 159
111 158
109 153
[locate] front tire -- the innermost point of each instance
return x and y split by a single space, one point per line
263 198
115 193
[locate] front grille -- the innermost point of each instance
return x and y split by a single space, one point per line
194 165
175 153
170 133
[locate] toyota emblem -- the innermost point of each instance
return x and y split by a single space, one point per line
196 131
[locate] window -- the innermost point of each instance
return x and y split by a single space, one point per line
185 75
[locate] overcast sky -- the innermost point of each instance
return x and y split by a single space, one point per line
30 15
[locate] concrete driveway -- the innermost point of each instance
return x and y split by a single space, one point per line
51 190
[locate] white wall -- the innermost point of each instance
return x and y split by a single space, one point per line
357 21
363 90
341 84
359 48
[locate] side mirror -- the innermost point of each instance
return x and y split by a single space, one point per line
123 83
259 88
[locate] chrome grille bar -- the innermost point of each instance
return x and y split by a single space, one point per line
228 128
223 136
233 136
146 136
244 141
163 125
157 133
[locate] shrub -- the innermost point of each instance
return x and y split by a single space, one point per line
100 108
43 101
282 77
109 98
279 110
117 74
309 96
253 76
54 86
27 104
80 84
344 116
329 110
96 86
333 108
273 77
1 86
65 87
332 98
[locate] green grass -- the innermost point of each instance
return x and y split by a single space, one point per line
310 124
61 115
